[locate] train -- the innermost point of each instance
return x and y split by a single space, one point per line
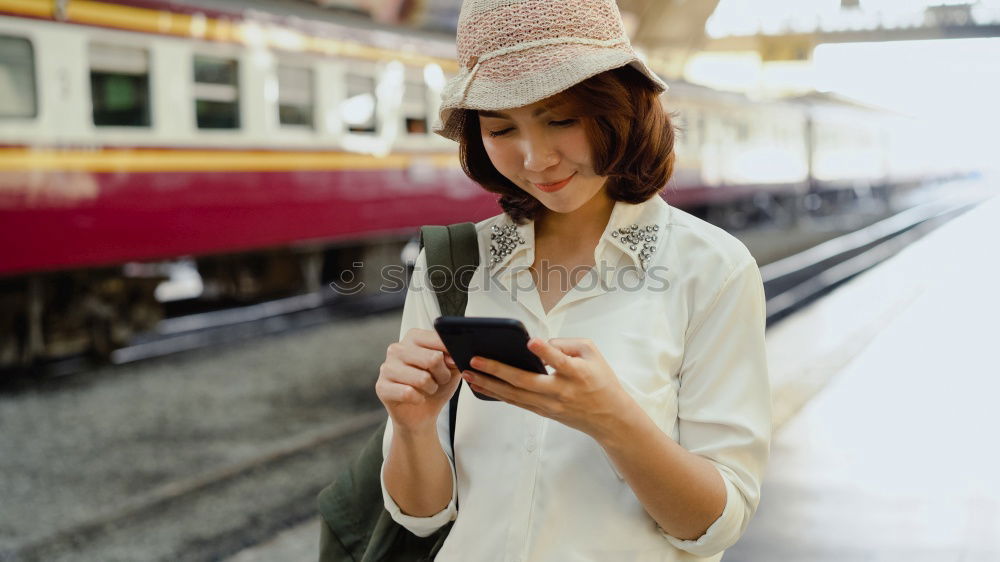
154 152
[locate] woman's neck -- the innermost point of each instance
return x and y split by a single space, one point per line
577 231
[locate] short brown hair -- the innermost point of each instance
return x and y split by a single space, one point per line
630 133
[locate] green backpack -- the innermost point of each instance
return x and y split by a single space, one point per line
355 526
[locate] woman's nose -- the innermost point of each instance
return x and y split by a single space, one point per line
539 154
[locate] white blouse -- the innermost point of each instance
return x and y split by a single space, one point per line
684 335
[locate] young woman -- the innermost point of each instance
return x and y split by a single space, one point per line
648 439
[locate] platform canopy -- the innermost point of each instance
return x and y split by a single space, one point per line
669 32
790 29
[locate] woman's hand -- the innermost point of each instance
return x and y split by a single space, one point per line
416 380
583 392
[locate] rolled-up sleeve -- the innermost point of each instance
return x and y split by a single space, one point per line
724 402
419 310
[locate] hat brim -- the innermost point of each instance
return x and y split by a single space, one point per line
492 88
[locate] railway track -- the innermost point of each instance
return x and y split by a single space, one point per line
215 328
155 507
794 281
209 329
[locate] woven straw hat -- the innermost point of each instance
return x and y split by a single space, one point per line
514 53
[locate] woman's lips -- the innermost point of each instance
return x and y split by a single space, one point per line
553 187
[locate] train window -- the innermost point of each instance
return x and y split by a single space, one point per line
119 85
415 108
358 110
295 96
216 92
17 78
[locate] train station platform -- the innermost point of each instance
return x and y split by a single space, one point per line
886 404
886 407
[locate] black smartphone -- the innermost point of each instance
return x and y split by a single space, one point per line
502 339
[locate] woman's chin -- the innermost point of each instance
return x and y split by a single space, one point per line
559 204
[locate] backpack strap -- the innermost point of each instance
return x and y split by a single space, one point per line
452 257
452 254
355 525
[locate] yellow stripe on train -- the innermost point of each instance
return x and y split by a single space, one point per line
158 160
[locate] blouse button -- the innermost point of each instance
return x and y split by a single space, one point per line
530 444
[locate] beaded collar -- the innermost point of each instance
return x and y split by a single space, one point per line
635 235
504 239
637 239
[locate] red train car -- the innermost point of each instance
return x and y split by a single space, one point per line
143 143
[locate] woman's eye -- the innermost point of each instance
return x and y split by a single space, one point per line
563 123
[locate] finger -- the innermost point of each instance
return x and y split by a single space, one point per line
428 360
499 388
513 376
507 400
549 353
400 393
574 347
479 389
429 339
411 376
426 338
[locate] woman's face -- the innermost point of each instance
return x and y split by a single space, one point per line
545 153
